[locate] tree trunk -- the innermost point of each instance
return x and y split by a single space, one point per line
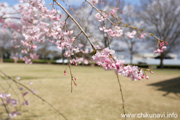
1 56
131 53
131 58
161 61
106 42
1 59
62 54
15 61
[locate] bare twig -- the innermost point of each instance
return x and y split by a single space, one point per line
99 11
65 22
78 35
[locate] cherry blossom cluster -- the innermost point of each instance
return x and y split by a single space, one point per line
162 47
7 23
131 34
113 11
101 18
116 32
108 61
7 101
106 57
13 104
38 24
103 15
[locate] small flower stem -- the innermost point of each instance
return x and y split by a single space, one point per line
71 78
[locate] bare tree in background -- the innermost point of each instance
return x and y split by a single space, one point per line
47 50
86 18
131 17
163 20
5 43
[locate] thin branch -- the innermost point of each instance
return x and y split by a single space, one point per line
5 107
99 11
72 10
71 77
9 87
65 22
120 86
11 18
78 35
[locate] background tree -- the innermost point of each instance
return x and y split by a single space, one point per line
5 43
131 16
47 51
163 20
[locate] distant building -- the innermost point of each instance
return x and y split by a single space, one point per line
62 61
154 59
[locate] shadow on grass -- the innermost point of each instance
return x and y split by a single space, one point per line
169 86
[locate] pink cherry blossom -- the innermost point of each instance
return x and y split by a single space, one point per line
163 48
64 72
95 1
131 34
100 18
147 77
141 36
108 61
116 32
12 115
4 96
158 51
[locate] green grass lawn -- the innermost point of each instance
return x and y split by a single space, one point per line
96 96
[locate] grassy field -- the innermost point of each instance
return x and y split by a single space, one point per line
97 95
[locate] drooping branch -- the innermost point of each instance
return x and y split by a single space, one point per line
122 97
71 78
123 24
78 25
22 85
